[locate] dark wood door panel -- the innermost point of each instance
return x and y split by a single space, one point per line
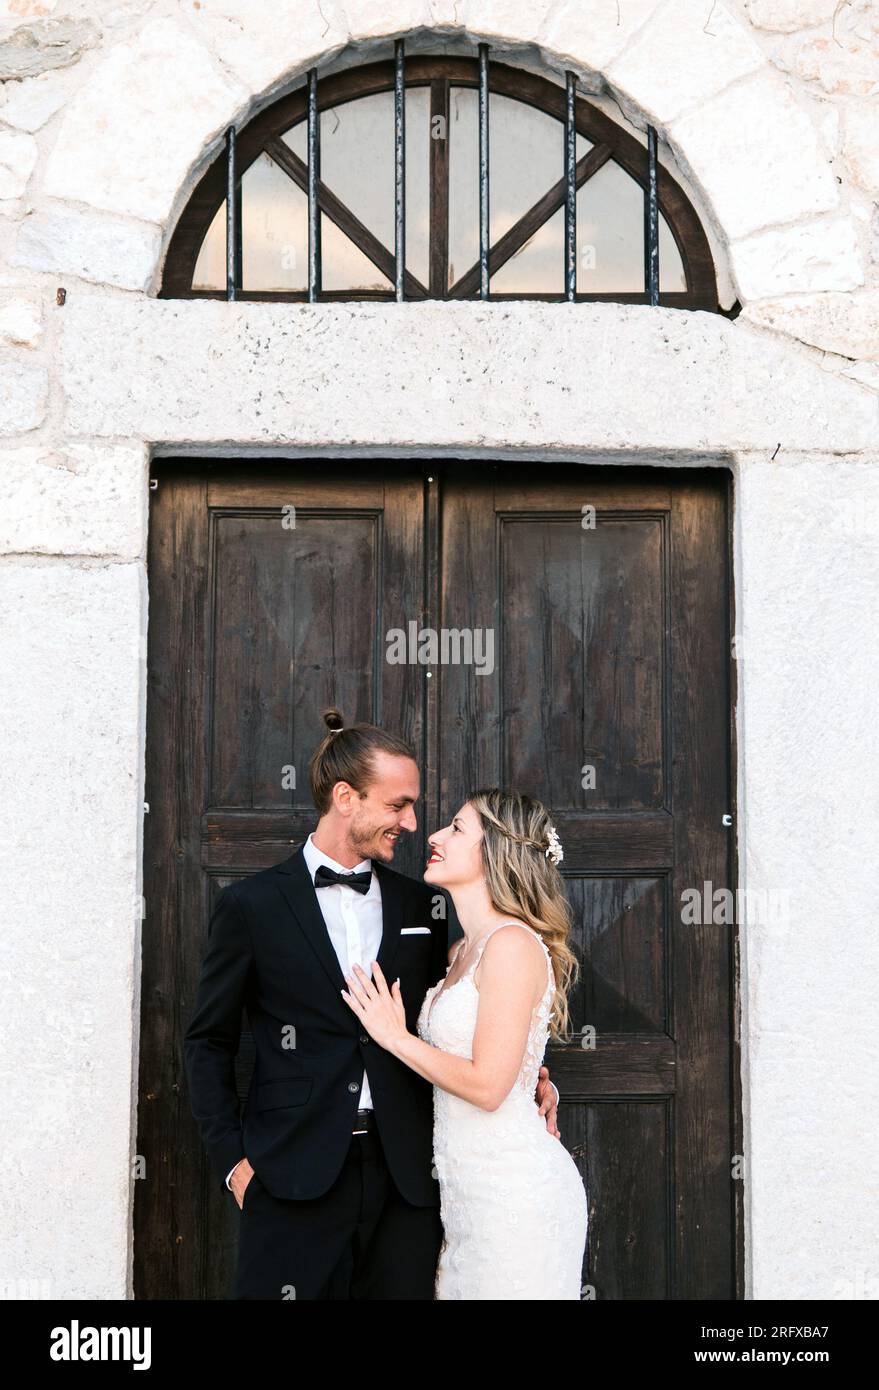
293 629
621 929
632 1251
569 615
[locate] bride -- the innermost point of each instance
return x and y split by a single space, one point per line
513 1205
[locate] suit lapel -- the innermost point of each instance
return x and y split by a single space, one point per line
300 894
298 889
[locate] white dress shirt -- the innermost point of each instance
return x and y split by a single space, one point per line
354 925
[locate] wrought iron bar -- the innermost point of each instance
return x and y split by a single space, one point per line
399 168
315 276
651 223
233 219
570 187
483 171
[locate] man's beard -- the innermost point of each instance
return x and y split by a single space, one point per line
369 842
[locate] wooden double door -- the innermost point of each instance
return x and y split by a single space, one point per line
562 630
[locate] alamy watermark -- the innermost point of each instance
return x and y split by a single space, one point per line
710 906
446 646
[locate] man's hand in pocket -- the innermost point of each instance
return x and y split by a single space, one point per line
239 1180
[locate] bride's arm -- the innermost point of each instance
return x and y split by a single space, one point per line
511 969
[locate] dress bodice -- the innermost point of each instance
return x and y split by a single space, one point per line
448 1014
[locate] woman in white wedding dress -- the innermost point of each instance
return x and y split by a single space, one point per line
513 1205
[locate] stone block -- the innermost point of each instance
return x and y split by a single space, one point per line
91 245
808 258
130 139
18 155
685 54
74 498
24 395
756 155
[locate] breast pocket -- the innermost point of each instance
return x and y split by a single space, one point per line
416 940
413 954
283 1093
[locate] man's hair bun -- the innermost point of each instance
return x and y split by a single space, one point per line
333 720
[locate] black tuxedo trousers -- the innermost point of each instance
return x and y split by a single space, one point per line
360 1240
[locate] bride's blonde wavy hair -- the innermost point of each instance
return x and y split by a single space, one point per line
523 882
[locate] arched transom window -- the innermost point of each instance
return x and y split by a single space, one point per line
439 177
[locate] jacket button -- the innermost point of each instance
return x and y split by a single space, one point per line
353 1086
364 1037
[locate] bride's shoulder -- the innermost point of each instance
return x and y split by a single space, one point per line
512 944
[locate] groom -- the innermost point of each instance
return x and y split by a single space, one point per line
331 1161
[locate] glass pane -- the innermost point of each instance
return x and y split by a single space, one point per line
418 183
344 265
210 266
357 165
463 181
274 221
671 267
297 138
538 268
610 233
526 158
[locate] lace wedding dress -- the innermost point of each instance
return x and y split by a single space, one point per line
512 1202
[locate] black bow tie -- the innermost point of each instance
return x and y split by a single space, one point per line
325 877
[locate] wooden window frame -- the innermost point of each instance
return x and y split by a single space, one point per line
609 142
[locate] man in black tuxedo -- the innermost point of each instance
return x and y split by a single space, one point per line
331 1161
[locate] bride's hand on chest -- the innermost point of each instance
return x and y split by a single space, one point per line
381 1010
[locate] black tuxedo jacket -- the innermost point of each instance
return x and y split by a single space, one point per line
269 951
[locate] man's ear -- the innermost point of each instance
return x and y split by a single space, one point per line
343 798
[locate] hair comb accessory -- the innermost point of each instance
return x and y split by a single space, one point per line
554 852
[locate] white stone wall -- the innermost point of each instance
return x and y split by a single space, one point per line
109 113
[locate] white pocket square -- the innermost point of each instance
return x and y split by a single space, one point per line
415 931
